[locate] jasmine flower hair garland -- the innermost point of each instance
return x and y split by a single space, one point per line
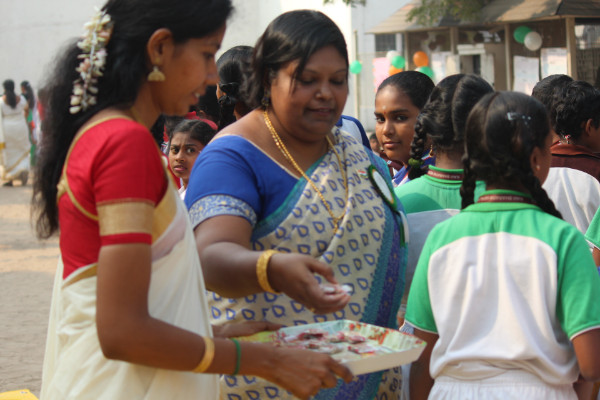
93 59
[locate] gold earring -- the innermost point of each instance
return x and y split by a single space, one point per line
537 167
156 75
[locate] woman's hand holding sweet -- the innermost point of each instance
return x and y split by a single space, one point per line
230 267
246 328
294 275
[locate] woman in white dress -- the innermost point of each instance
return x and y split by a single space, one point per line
14 136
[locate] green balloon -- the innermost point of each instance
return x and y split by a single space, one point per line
520 33
426 70
398 62
355 67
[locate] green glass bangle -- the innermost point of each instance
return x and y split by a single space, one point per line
238 356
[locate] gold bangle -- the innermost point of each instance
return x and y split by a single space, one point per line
207 358
261 270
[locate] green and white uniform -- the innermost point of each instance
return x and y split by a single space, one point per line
506 287
593 232
427 201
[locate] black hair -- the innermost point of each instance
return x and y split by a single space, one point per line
294 35
416 85
208 106
157 130
502 130
577 103
232 66
198 130
171 121
443 118
126 68
9 92
547 90
29 94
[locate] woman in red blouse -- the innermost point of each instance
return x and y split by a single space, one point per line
129 318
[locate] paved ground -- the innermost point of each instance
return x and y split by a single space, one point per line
26 275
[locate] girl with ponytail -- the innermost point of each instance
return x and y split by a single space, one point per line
436 196
232 67
505 293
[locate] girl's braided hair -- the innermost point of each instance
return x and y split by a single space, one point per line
444 116
232 66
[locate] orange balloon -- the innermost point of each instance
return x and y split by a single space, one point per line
393 70
420 59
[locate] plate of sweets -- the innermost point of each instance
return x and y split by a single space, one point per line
362 347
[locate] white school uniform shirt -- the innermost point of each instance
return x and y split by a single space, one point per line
573 183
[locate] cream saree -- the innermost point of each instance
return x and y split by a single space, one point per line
74 366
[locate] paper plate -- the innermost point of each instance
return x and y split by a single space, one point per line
393 348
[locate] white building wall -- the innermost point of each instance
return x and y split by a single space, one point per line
251 18
363 19
32 32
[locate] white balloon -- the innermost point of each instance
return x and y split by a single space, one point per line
391 54
533 41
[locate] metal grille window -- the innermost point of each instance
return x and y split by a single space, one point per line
385 42
587 36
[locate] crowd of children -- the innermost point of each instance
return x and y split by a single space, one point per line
504 291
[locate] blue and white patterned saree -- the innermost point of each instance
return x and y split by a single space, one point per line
367 252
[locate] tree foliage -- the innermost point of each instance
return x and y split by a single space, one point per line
348 2
431 11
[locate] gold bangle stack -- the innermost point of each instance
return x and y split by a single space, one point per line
207 358
261 270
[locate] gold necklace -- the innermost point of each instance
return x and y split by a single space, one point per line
288 156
